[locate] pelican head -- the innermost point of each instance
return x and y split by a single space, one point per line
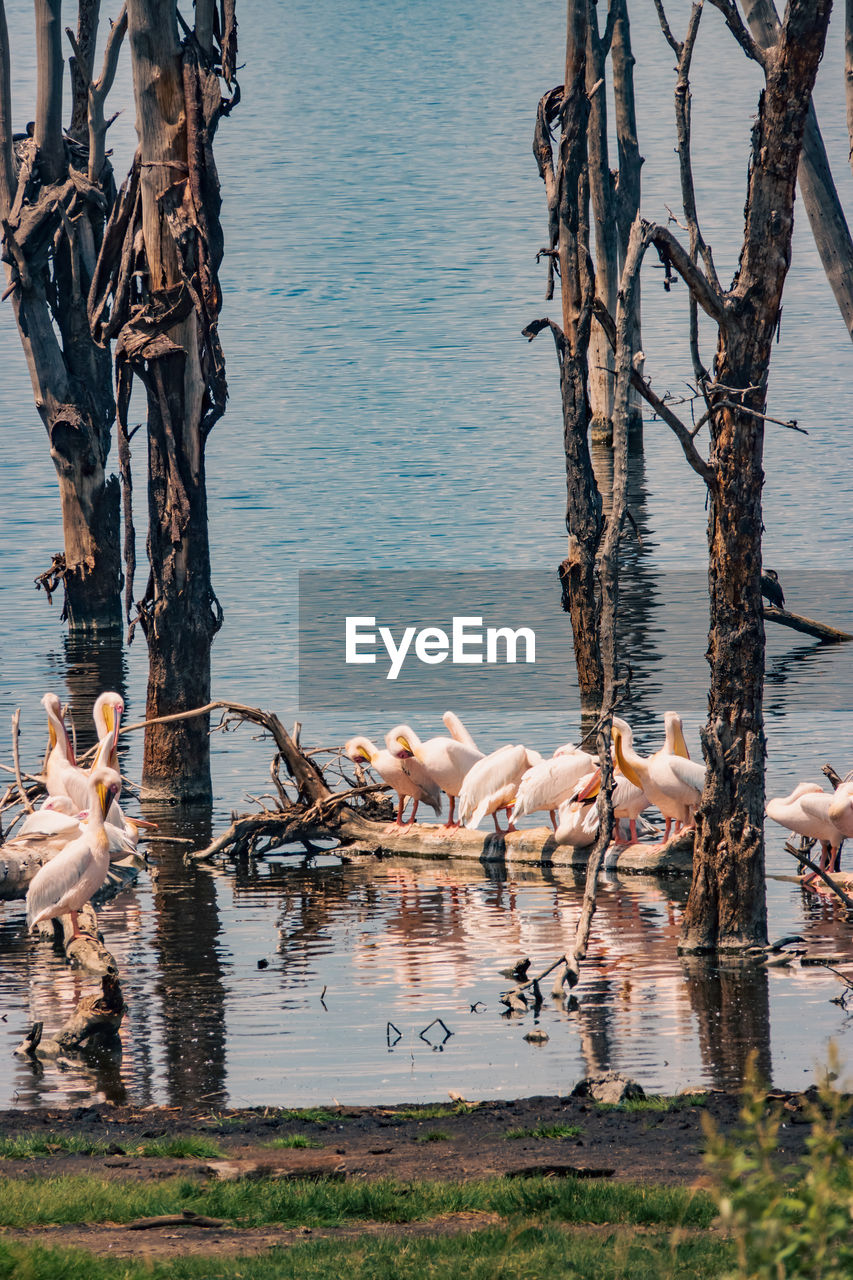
107 713
106 785
402 742
56 724
360 750
675 734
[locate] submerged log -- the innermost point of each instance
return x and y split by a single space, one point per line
829 635
86 952
21 857
533 846
97 1017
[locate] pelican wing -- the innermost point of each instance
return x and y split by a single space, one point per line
486 784
548 784
430 793
690 774
55 888
49 822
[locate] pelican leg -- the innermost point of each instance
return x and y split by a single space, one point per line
75 925
510 825
414 812
400 807
498 827
450 824
552 814
632 825
667 830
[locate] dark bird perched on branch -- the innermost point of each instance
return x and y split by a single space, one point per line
771 590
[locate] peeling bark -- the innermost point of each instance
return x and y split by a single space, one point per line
566 187
52 221
726 908
156 291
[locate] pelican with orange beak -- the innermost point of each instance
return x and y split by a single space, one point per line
63 885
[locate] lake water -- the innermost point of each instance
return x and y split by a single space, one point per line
382 212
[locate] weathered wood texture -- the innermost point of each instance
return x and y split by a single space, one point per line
726 908
817 187
567 194
808 626
165 233
52 219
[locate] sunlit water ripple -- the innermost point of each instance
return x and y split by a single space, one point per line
382 213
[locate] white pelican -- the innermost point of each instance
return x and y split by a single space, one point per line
841 808
671 780
457 730
628 799
492 784
59 817
549 783
61 764
68 881
578 819
407 777
446 760
807 812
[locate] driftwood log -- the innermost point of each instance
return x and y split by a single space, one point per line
96 1019
808 626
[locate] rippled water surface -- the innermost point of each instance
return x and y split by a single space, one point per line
382 213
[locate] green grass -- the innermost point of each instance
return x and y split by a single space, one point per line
657 1102
178 1148
546 1131
433 1135
522 1251
29 1146
432 1111
32 1201
293 1141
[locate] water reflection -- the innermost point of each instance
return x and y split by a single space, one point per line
186 945
92 665
732 1008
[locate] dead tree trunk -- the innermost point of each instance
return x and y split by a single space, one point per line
726 908
820 197
627 204
157 292
52 210
603 197
567 191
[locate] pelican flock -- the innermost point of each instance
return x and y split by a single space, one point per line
80 826
519 780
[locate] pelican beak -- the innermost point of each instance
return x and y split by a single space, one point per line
591 789
104 797
51 734
626 769
680 744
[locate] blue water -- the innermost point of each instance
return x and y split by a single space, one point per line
382 213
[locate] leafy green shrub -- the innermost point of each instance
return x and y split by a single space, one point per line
791 1224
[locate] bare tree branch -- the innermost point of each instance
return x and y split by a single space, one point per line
83 44
7 156
848 73
698 247
685 437
734 22
667 30
50 66
672 253
98 91
204 11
